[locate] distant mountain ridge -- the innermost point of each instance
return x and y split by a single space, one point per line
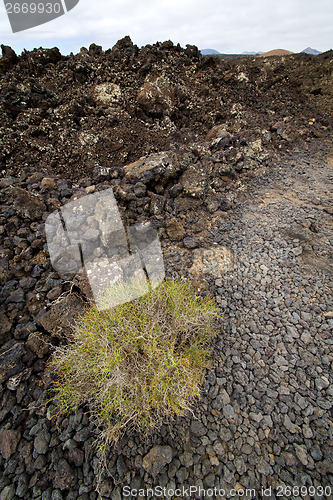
311 51
251 53
209 52
308 50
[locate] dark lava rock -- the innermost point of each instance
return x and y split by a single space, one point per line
61 316
11 360
8 442
76 457
156 459
175 230
41 442
175 190
37 343
198 428
27 204
9 58
156 96
191 242
64 476
5 326
140 189
17 296
157 167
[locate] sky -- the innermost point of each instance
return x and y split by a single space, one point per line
227 26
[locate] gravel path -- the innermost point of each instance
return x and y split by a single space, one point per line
262 428
273 375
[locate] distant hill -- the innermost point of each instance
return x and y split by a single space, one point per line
313 52
252 53
276 52
209 52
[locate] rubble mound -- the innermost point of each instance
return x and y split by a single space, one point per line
66 115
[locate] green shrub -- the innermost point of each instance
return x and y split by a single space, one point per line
139 362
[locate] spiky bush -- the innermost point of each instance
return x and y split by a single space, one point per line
139 362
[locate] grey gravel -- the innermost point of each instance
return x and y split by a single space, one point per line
264 414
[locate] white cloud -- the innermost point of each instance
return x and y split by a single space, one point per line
224 25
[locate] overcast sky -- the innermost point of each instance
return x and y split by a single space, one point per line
229 26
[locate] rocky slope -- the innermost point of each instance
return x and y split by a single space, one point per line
237 163
66 115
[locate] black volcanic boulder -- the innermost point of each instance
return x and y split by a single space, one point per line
157 168
59 319
8 59
11 360
27 204
156 96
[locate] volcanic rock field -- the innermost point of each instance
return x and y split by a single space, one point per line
231 160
